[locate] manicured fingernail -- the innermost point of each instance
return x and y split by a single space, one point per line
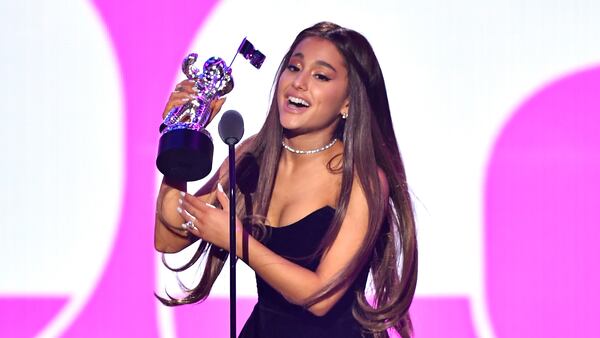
182 193
196 89
185 99
179 210
190 215
180 201
220 187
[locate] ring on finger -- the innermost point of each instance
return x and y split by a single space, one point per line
189 225
185 225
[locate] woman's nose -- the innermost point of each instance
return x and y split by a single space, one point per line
301 80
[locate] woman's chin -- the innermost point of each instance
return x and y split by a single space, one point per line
291 121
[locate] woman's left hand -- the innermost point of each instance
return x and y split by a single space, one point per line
208 222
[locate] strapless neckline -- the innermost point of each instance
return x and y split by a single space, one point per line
273 316
307 217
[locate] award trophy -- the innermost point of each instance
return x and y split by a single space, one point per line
185 148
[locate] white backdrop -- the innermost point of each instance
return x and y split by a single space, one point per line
455 71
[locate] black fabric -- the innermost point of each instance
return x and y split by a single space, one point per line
273 316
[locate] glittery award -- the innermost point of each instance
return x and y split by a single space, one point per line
185 149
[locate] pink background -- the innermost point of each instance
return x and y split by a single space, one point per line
541 208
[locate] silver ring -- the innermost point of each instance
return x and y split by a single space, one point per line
189 225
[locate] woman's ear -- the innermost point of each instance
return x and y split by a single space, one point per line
345 108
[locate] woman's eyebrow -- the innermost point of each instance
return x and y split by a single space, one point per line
318 62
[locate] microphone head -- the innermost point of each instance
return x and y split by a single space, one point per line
231 127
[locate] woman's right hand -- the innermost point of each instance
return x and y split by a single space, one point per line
184 92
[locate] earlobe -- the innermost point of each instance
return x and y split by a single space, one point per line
345 109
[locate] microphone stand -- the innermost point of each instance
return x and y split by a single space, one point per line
232 241
231 129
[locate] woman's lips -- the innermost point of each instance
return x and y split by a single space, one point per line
295 104
290 107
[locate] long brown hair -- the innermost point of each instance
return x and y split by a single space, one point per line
390 244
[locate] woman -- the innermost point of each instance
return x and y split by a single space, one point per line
329 188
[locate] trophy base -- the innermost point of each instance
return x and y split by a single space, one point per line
185 154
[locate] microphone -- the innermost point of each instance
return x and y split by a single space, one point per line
231 127
231 130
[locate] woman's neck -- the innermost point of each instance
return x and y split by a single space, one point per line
307 141
306 148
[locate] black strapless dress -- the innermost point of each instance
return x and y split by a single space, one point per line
275 317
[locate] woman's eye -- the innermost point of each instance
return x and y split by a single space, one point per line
321 77
293 68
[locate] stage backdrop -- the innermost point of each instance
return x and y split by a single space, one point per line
495 104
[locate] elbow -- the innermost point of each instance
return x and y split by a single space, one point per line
161 247
320 309
166 240
164 246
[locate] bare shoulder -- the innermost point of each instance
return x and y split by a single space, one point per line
383 183
355 225
246 144
358 205
243 147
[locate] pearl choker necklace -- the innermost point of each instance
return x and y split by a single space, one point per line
307 152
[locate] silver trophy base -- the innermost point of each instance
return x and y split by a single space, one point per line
185 154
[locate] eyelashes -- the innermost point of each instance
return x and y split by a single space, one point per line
319 76
322 77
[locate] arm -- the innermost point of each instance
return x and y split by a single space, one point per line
169 235
294 282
